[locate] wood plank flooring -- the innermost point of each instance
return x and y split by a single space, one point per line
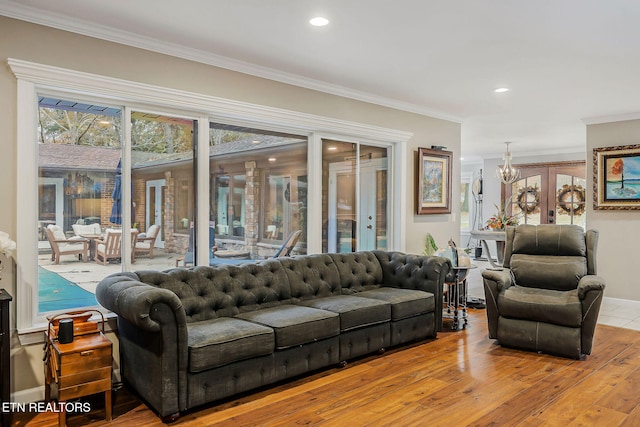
460 379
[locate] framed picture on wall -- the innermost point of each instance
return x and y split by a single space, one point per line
616 177
433 181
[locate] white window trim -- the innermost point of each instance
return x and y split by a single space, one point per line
33 78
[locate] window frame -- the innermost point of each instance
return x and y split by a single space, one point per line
33 79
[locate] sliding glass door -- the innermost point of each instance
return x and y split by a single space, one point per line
355 188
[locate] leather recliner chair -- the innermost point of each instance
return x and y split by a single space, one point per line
547 297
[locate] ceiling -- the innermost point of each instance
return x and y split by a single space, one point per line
563 61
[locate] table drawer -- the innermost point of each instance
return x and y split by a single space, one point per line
84 377
75 391
86 360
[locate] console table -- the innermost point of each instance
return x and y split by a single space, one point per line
500 236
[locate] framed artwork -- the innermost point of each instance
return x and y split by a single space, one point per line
433 181
616 177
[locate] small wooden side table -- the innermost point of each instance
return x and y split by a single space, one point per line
79 368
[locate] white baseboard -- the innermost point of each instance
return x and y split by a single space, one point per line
35 394
622 302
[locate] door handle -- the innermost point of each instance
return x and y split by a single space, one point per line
369 227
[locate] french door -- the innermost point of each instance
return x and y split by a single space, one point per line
155 200
553 193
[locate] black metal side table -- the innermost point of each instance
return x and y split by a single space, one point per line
457 295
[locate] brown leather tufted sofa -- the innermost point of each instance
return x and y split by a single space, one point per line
193 336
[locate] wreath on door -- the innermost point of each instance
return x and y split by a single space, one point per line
528 200
571 198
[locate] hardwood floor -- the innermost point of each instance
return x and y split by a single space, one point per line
461 378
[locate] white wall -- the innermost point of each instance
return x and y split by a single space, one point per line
619 229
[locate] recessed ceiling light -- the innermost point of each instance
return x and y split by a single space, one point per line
501 90
272 159
319 21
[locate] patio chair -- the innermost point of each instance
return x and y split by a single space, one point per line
289 244
188 257
81 229
110 246
145 242
60 245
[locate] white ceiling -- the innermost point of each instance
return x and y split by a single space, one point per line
564 60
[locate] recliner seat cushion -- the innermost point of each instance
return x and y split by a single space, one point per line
354 312
405 303
295 325
542 305
217 342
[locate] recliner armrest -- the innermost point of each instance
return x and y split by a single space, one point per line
590 283
502 278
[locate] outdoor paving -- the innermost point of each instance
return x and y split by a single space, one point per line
88 274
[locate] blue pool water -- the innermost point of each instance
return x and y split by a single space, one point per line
57 293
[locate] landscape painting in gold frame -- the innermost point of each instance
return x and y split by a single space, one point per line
433 183
616 177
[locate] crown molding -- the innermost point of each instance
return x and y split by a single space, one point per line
36 16
48 77
613 118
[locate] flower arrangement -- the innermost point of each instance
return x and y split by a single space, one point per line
500 220
7 246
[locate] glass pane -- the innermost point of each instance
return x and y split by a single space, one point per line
570 200
338 196
373 198
526 197
162 174
258 189
79 150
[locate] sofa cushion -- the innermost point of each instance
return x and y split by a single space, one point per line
296 325
217 342
542 305
354 312
312 276
404 302
358 271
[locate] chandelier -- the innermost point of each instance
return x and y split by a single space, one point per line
507 173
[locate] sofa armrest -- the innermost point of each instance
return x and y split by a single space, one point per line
424 273
133 300
153 338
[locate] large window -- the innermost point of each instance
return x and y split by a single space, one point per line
143 195
258 189
163 185
79 153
